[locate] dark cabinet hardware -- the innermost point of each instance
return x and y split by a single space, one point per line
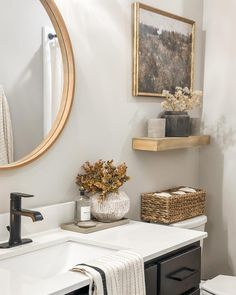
15 220
183 274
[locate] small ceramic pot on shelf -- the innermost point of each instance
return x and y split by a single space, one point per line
177 123
156 128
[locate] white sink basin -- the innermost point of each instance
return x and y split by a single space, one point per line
53 260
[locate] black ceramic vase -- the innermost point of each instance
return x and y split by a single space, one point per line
177 124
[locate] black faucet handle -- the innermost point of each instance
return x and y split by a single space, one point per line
20 195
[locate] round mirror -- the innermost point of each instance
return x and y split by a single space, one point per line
36 79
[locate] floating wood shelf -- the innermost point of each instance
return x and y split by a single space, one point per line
169 143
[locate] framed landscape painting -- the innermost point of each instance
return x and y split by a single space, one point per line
163 56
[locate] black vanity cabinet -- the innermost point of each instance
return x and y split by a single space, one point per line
151 276
83 291
176 273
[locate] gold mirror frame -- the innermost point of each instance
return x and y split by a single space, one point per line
68 87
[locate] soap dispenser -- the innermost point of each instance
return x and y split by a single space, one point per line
82 207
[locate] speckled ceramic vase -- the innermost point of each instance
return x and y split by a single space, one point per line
114 208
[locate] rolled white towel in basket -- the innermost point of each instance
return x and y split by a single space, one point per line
118 274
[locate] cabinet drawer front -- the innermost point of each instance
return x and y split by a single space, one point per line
151 280
180 273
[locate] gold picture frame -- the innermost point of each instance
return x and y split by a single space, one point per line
153 29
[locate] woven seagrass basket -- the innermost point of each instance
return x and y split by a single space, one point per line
172 209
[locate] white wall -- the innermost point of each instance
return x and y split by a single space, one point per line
21 70
105 116
218 162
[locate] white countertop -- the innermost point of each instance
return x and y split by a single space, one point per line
150 240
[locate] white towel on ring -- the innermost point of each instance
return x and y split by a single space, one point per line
118 274
6 137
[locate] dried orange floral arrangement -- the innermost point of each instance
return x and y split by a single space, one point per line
102 177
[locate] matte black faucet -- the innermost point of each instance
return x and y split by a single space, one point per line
15 220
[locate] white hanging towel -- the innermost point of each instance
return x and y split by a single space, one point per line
118 274
53 77
6 137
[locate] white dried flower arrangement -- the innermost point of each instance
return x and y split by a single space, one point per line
182 100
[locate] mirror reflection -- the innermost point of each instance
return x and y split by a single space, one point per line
31 78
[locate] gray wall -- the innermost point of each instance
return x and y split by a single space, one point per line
218 162
21 70
105 116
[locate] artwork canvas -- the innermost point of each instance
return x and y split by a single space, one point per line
163 51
